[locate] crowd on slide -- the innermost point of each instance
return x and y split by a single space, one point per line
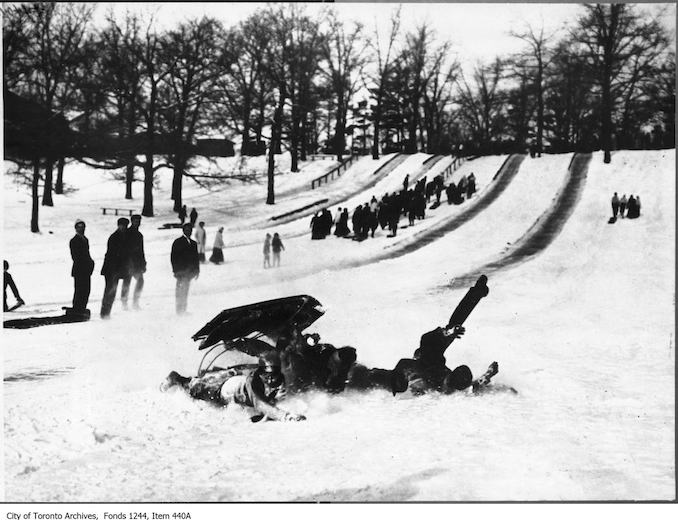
301 362
385 213
625 208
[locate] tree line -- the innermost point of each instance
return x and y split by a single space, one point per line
129 96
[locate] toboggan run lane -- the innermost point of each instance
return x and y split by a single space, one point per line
542 232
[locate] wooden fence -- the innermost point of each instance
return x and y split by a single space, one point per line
337 171
454 165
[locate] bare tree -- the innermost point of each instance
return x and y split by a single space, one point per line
481 103
193 49
536 58
384 55
616 37
54 33
344 58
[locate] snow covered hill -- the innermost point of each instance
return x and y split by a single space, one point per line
583 330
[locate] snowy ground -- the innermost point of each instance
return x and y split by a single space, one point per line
583 331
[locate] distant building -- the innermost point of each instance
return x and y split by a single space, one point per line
214 147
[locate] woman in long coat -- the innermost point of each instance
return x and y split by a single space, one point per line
217 249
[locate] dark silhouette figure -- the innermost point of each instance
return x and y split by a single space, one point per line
194 217
277 246
615 205
83 267
136 263
9 282
182 214
622 205
115 265
185 266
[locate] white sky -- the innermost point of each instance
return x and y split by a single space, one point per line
480 31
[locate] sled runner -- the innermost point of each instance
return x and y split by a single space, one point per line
70 316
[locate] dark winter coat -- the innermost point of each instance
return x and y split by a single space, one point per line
184 258
83 265
277 245
134 244
115 261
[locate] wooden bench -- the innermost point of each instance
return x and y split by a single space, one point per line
117 211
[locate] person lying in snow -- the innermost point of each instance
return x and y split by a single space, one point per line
307 363
257 389
427 370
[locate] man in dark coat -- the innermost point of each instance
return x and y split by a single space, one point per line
185 265
194 217
427 370
115 265
83 267
182 214
136 263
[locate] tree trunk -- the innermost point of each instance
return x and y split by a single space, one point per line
540 107
59 188
177 181
303 138
147 210
47 188
129 177
34 196
377 129
294 144
273 145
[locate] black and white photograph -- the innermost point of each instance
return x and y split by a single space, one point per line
302 253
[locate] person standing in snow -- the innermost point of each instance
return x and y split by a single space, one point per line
83 267
277 246
136 263
194 217
9 282
471 186
182 214
622 205
217 249
185 265
115 265
201 239
267 251
615 205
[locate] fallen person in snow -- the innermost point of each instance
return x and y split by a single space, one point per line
427 370
307 363
255 389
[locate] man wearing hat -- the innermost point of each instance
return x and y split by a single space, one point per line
115 266
83 267
136 263
256 389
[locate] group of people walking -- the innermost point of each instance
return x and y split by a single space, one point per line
366 218
625 208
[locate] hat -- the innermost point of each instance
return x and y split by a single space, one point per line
135 217
270 361
123 220
459 378
79 221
